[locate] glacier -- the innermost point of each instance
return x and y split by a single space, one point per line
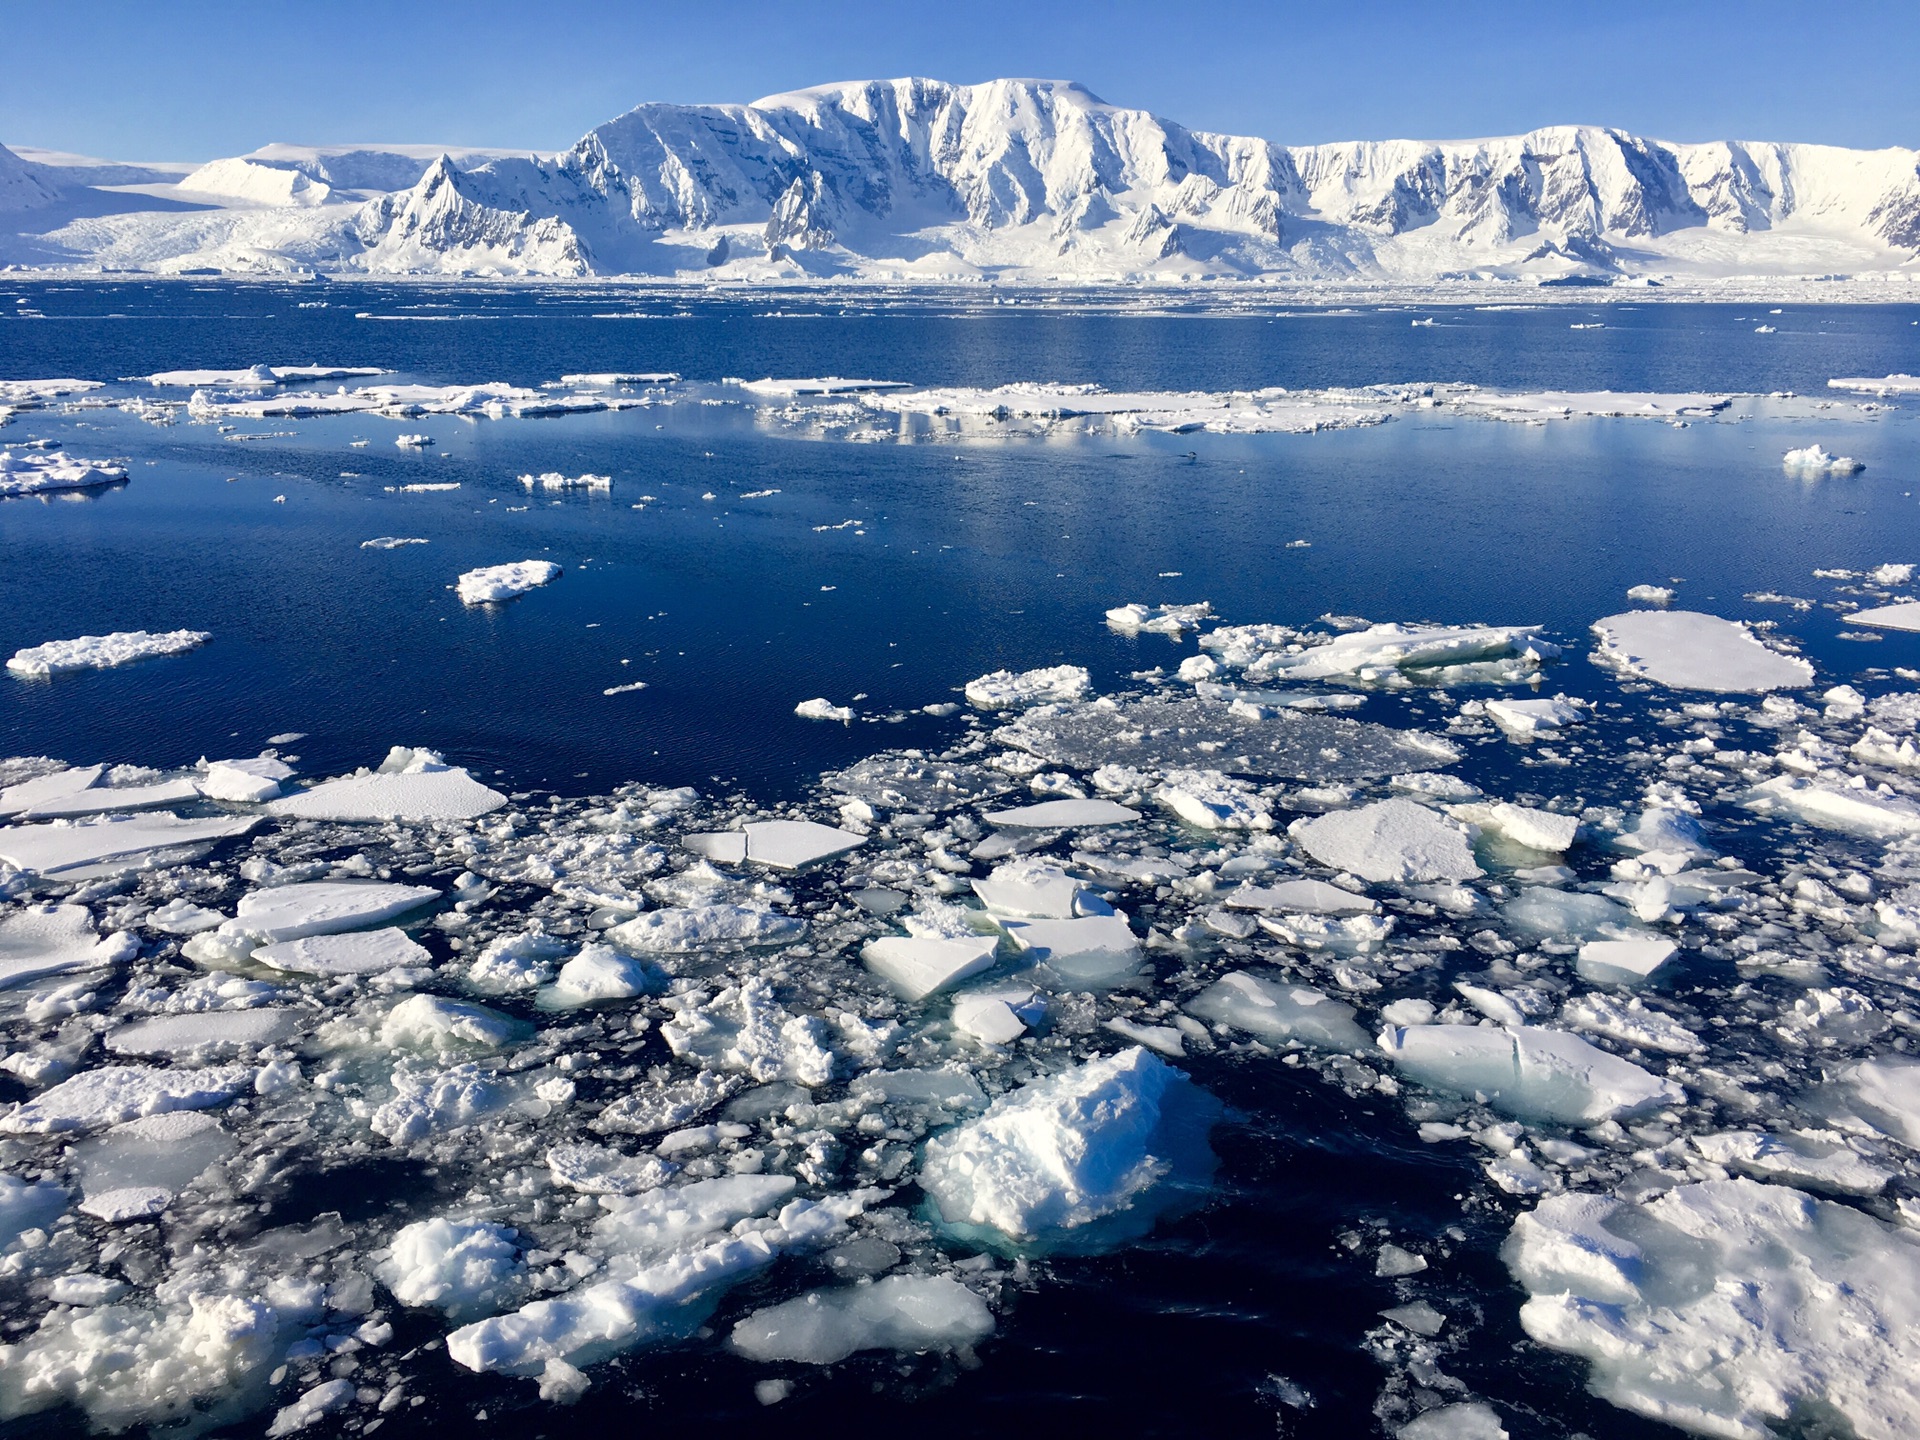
1013 180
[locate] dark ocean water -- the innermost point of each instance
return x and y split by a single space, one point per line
973 557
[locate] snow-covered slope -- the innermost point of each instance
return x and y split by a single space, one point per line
1021 180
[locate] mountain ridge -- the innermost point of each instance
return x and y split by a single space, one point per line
1034 180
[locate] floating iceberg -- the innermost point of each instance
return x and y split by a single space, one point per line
491 584
101 652
1691 651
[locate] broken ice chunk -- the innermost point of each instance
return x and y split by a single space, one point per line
1799 1306
113 1093
597 973
492 584
1003 689
1623 962
1158 619
322 907
1308 897
1690 651
998 1017
1029 887
1542 830
1812 460
466 1269
727 848
103 652
39 941
102 799
1885 1093
1076 1161
683 929
1856 810
409 785
1389 842
1809 1160
921 967
1651 594
370 953
796 844
598 1170
207 1031
1463 1420
821 708
434 1023
911 1313
1903 616
1210 801
1063 815
243 782
1530 717
1278 1011
1528 1072
74 852
16 799
1389 654
1099 948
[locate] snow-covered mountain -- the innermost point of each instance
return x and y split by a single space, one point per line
1031 180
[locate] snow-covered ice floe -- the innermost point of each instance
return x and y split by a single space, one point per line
1730 1307
35 472
410 784
1901 384
1388 654
102 652
491 584
1904 615
1690 651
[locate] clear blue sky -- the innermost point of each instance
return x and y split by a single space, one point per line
177 81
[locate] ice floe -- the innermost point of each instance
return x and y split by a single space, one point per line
1812 460
36 472
409 785
1003 689
1902 616
1690 651
491 584
1527 1071
101 652
912 1313
1783 1305
1390 842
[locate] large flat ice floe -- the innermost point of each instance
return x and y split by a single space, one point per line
103 652
1527 1071
1390 842
1690 651
1730 1307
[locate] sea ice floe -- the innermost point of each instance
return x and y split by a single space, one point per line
1853 807
322 907
599 973
1903 616
409 785
1277 1011
1093 949
1211 801
911 1313
1530 717
491 584
1003 689
1390 842
55 785
921 966
391 542
466 1269
1544 830
1063 815
206 1031
1527 1071
682 929
1158 619
796 844
370 952
1052 1160
113 1093
1308 897
1690 651
1462 1420
104 799
1817 1161
1030 887
35 472
71 852
554 480
1384 654
1651 594
1901 384
1812 460
1623 962
1000 1016
1729 1307
41 941
821 708
1885 1094
102 652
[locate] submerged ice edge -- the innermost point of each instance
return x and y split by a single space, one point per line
681 1037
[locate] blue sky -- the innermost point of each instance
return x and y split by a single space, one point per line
154 81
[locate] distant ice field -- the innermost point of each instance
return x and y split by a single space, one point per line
622 1100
